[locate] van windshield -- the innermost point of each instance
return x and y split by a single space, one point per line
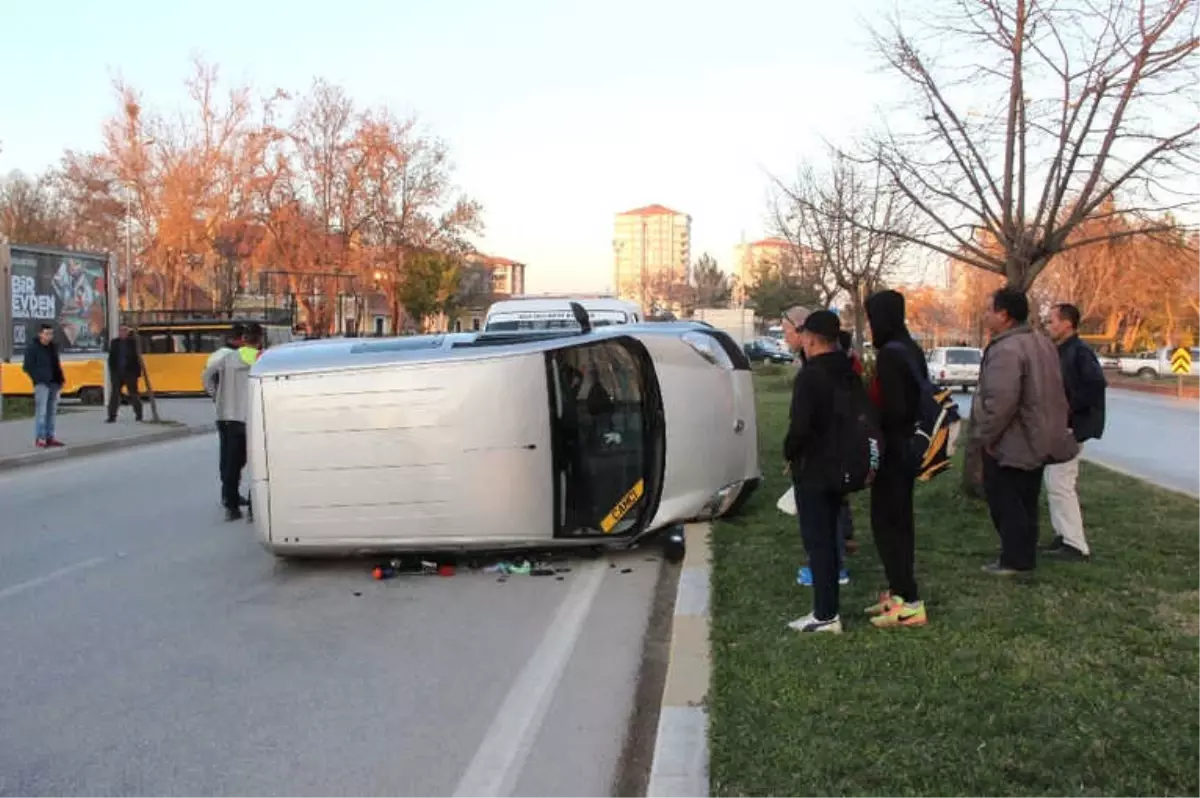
963 357
608 449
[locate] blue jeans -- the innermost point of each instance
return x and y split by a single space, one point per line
45 408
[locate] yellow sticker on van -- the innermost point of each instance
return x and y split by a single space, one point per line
623 507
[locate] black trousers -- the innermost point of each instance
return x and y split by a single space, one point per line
1012 497
818 512
893 527
232 437
130 385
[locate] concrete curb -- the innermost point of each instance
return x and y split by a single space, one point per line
680 764
100 447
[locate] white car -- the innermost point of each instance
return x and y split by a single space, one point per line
490 442
952 366
526 315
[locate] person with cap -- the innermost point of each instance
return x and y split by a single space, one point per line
792 322
227 379
813 454
896 392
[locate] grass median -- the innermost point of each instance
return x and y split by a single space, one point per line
1078 679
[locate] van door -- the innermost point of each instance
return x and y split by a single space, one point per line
606 420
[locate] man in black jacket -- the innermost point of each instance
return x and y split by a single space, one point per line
811 450
896 392
45 372
1083 379
124 370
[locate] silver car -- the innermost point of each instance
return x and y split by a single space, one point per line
498 441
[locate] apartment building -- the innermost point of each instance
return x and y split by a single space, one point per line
652 251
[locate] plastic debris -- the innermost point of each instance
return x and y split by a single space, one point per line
445 569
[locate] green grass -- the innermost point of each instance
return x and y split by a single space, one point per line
1079 679
17 407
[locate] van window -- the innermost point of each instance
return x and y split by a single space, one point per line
963 357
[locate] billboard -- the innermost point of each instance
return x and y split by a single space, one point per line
69 290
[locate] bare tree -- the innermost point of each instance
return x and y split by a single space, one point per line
855 225
1091 98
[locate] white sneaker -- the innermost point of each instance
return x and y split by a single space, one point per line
809 623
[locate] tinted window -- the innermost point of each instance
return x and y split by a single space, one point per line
159 343
963 357
206 342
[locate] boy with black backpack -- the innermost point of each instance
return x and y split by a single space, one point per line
833 448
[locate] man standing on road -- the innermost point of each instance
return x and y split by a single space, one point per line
227 378
45 372
811 449
1019 417
232 343
124 370
1083 379
896 392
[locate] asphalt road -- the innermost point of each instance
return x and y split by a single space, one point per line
150 648
1154 437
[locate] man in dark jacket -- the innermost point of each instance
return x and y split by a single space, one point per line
896 392
45 372
124 370
811 449
1083 380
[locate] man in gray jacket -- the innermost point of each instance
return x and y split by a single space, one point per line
227 379
1019 417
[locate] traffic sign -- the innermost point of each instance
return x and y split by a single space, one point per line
1181 361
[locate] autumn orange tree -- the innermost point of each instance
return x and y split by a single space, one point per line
313 188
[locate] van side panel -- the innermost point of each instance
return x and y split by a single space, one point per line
409 454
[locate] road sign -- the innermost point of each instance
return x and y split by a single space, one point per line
1181 361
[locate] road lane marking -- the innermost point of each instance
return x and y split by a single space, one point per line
21 587
501 756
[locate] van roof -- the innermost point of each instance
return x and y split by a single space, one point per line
345 354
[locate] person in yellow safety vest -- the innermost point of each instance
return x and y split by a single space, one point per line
228 380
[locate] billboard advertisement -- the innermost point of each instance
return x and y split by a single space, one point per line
66 289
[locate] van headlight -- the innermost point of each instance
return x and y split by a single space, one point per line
707 347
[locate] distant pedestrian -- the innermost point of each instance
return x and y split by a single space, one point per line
1019 417
1084 382
823 396
45 371
227 378
124 370
896 391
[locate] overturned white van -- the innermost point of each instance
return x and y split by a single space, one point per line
493 442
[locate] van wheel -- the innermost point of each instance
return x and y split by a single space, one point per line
1147 374
674 545
91 395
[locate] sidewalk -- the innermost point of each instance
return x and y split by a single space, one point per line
83 430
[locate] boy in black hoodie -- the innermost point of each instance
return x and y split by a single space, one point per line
811 448
896 391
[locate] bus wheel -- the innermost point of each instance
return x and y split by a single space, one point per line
91 395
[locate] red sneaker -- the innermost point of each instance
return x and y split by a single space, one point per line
40 443
54 443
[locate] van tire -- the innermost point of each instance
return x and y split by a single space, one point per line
91 395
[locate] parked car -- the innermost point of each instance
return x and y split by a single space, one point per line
1155 364
767 350
951 366
486 441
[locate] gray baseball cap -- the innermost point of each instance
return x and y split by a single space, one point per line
796 315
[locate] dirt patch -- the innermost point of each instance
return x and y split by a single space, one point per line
1180 611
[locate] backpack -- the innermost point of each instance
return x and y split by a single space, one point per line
857 441
935 432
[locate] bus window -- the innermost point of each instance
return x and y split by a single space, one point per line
206 341
159 343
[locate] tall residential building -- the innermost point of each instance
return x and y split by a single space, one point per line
652 251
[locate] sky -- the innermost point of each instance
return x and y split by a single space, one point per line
559 114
